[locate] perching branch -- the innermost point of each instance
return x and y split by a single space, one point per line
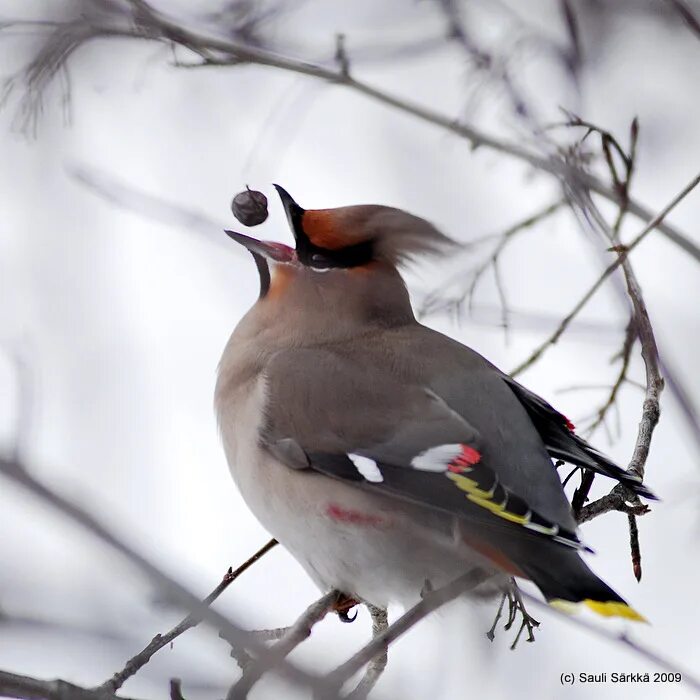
15 472
622 183
639 327
380 643
295 635
375 668
137 662
615 500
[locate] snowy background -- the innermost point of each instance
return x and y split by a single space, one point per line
120 320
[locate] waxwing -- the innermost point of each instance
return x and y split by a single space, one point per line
384 455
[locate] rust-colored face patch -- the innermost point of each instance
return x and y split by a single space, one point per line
321 227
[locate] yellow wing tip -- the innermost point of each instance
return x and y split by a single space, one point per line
610 608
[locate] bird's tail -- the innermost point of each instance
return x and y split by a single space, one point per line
571 584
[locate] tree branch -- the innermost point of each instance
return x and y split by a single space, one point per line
15 472
622 256
134 664
299 632
380 643
617 499
375 668
149 24
435 301
13 685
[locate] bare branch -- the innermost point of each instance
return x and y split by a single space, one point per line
654 380
243 658
126 197
341 56
16 473
13 685
687 14
375 668
643 329
625 356
634 546
149 24
484 61
176 689
297 633
617 499
380 643
137 662
436 301
623 255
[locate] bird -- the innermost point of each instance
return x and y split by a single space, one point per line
388 458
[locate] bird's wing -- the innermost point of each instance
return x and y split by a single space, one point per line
349 421
512 420
561 442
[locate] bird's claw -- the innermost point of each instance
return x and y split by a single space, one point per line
343 605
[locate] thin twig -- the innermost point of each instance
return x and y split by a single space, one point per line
622 256
430 602
177 593
635 549
687 14
618 499
297 633
341 56
126 197
243 658
622 185
134 664
176 689
481 59
155 26
435 302
625 355
375 668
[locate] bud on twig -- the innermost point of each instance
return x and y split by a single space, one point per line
250 207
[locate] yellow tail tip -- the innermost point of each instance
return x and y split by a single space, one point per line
610 608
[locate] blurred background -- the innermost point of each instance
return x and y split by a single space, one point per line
118 291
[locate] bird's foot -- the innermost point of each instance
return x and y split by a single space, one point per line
343 604
516 607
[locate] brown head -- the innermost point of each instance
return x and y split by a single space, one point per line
344 267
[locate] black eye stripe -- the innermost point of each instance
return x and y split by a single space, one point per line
320 260
350 256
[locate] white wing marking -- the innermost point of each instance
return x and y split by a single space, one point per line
436 459
367 467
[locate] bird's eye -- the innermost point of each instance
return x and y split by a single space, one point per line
320 263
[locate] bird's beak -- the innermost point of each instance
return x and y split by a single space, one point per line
279 252
293 211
